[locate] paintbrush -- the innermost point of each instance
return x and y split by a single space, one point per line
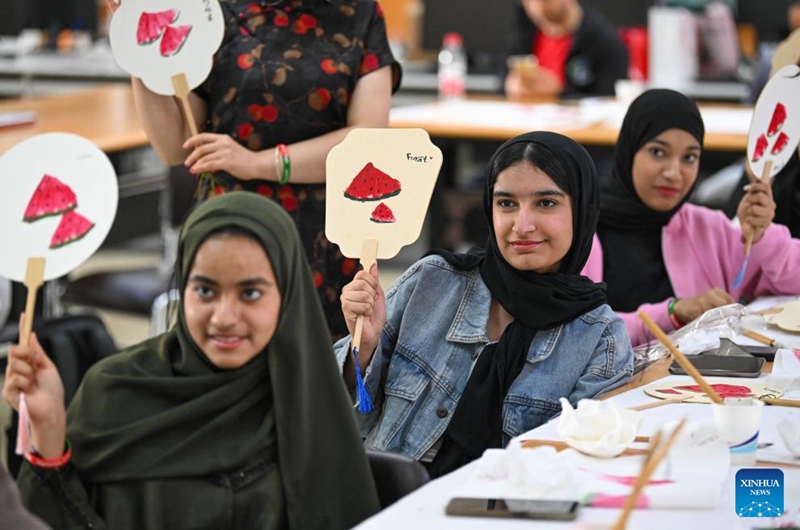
737 282
657 451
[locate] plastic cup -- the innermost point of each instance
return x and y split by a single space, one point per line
738 421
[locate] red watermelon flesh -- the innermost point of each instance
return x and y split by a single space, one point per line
372 184
152 24
73 226
778 119
780 143
173 40
52 197
382 214
761 146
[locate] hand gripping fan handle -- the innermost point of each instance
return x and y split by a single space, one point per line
369 256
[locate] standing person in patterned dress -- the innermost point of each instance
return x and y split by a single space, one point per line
291 77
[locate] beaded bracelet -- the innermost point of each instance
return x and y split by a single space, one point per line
283 164
50 463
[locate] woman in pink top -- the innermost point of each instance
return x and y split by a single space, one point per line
667 257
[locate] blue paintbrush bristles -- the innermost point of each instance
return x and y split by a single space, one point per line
740 277
365 405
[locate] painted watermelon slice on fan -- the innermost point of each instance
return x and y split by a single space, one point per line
51 197
372 184
761 146
173 40
382 214
778 119
151 25
73 226
780 143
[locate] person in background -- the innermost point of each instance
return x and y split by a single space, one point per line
236 418
466 351
793 16
290 80
579 53
660 254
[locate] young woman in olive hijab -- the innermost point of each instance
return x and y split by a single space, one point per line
236 418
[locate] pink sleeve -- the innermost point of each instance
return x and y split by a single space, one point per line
636 328
594 265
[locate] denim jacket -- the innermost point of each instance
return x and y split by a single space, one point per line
435 331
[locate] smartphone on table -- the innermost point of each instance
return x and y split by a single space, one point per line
519 508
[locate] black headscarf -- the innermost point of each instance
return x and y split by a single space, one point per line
536 301
629 230
161 410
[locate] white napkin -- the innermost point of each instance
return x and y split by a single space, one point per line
790 432
597 428
786 373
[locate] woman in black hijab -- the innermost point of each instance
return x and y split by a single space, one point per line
466 351
660 254
235 418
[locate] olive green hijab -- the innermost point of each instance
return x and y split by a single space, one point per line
161 410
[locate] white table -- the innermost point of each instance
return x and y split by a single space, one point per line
424 508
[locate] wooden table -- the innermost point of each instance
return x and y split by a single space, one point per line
471 124
104 115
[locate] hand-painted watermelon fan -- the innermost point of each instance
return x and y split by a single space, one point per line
774 134
59 203
169 44
395 168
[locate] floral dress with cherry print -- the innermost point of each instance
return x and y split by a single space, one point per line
283 74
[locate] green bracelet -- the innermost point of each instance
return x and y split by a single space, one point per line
671 306
283 164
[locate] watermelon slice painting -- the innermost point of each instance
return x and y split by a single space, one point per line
372 184
173 40
778 119
73 226
151 25
383 214
51 197
761 146
780 143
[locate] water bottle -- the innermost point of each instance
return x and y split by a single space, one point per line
452 67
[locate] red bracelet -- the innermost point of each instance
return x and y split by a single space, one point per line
50 463
675 321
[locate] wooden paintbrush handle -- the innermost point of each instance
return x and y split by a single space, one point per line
680 358
782 402
760 338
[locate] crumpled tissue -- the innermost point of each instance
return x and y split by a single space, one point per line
698 341
521 473
597 428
